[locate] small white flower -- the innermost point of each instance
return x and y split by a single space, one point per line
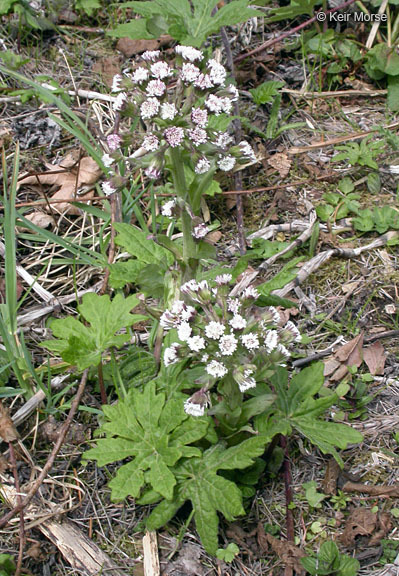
178 307
271 340
167 320
283 350
227 163
233 91
174 136
199 117
156 88
250 341
184 331
294 330
140 75
203 166
108 188
214 104
107 160
168 111
187 313
203 82
216 369
189 53
214 330
275 314
189 72
247 384
227 345
149 108
250 292
167 208
151 55
119 101
198 136
152 172
150 143
160 70
223 140
222 279
116 83
217 72
238 322
233 305
196 343
170 355
247 151
205 358
194 409
200 231
227 105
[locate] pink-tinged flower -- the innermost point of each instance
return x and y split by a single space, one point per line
233 305
140 75
238 322
203 166
270 316
160 70
227 105
168 111
223 140
119 101
168 320
214 330
247 151
199 117
216 369
114 142
200 231
193 408
271 340
184 331
227 345
174 136
247 383
203 82
189 72
227 163
197 291
116 83
290 333
152 172
167 208
149 108
250 341
107 160
214 104
108 188
170 355
150 143
283 350
217 72
189 53
198 136
156 88
196 343
223 279
150 55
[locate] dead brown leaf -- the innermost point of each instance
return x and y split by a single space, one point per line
288 553
361 522
3 464
130 47
8 432
213 237
330 366
20 289
107 68
330 479
70 176
375 358
280 162
40 219
351 352
379 490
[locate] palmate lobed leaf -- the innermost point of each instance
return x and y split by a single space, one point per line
155 433
208 492
83 345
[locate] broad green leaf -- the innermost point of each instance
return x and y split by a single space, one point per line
128 481
305 384
83 345
393 93
265 92
122 273
294 9
285 275
88 6
135 29
137 243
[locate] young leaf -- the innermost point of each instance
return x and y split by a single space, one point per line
155 432
266 92
83 345
139 245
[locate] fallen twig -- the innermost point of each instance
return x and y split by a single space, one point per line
150 551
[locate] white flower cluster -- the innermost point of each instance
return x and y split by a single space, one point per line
230 338
177 106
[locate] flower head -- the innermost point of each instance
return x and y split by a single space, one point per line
189 53
216 369
168 111
199 117
226 163
108 188
119 101
250 341
167 208
116 83
150 143
200 231
198 136
174 136
114 142
202 167
140 75
228 345
149 108
160 70
170 355
151 55
217 72
155 88
189 73
214 330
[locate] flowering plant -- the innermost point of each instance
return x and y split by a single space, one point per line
233 341
185 113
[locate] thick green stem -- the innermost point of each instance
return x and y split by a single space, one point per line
189 247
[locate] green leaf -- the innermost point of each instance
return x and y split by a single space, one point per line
364 222
266 92
304 385
374 180
229 553
155 433
135 29
83 345
88 6
139 245
313 497
122 273
285 275
294 9
393 93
